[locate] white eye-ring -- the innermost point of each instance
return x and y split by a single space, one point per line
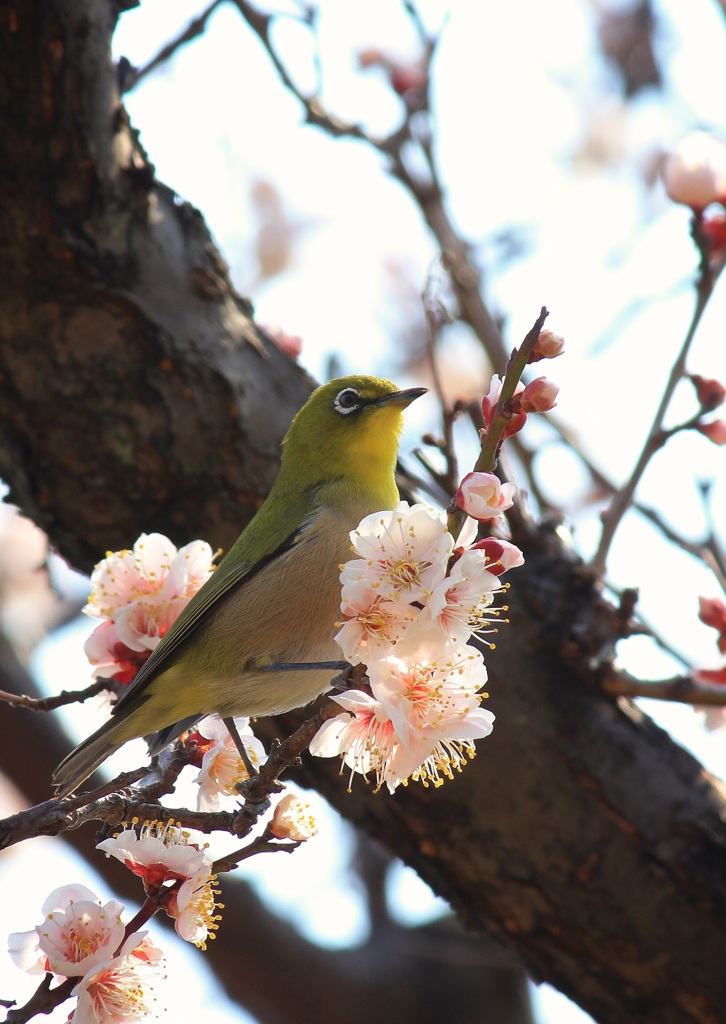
347 400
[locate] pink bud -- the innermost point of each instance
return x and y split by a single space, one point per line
713 227
715 431
290 344
483 496
711 675
488 404
538 396
548 346
710 392
694 173
713 613
501 555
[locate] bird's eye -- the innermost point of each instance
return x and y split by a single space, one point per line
347 400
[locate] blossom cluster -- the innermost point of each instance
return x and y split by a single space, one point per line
139 594
176 873
85 939
411 600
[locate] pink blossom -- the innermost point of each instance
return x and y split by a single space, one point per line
403 553
78 933
713 229
112 659
458 605
714 676
712 612
483 496
141 593
372 623
120 990
159 853
222 767
363 736
694 172
193 907
292 820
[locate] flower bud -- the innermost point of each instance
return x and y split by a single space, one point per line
548 346
710 392
538 396
713 229
712 612
715 431
489 402
292 820
290 344
483 496
694 173
501 555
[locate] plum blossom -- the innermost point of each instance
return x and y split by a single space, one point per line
293 820
175 871
140 593
121 989
419 721
482 496
403 553
159 852
222 767
78 933
363 736
694 172
193 907
372 623
458 605
411 602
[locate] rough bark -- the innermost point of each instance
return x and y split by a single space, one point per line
133 396
132 379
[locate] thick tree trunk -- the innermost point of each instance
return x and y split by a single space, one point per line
132 379
134 394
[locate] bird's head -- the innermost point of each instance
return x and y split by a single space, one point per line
349 428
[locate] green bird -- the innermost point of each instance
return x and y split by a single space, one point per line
275 597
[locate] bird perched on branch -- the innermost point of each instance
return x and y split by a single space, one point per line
241 645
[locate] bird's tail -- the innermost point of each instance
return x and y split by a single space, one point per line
87 756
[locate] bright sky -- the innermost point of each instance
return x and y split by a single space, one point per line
514 149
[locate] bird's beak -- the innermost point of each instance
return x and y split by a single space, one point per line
402 398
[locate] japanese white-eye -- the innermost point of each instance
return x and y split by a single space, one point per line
275 596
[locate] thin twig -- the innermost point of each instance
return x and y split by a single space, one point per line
683 689
614 513
194 29
21 700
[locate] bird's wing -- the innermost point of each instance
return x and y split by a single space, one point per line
228 576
